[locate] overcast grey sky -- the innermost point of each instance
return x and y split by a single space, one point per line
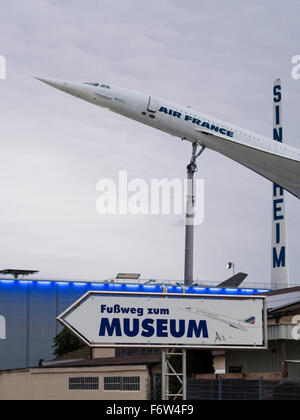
219 57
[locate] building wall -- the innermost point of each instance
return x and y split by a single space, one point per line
281 347
220 364
29 310
287 319
53 383
266 360
99 353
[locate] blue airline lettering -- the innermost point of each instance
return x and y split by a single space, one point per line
205 125
177 114
163 109
196 121
214 128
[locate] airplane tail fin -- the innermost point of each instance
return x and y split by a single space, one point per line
251 320
234 281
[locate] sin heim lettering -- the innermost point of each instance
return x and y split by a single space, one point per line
279 258
279 251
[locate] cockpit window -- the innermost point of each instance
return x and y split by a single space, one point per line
93 84
98 84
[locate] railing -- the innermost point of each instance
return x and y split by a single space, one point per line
243 389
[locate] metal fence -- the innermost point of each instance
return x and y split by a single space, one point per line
243 389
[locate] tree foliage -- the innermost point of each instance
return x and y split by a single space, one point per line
65 342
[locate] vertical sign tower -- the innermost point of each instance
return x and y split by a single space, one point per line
280 271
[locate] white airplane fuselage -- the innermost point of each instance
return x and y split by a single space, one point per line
275 161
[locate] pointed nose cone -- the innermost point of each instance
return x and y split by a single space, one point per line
79 90
58 84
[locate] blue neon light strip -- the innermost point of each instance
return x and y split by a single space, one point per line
147 288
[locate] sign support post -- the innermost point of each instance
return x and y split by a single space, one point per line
169 370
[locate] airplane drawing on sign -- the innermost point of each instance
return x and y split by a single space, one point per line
242 325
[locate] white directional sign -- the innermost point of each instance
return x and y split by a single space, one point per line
105 320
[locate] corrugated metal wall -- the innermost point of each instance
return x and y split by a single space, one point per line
266 360
30 310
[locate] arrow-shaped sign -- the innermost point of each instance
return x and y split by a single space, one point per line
106 319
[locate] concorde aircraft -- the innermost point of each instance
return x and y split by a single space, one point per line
243 325
275 161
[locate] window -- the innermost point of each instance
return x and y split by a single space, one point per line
235 369
92 84
84 383
98 84
120 383
129 351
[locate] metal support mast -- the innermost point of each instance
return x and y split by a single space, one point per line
190 207
168 369
179 387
